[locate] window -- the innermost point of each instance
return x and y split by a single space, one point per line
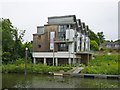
108 45
39 37
39 46
62 28
67 26
116 45
59 28
63 47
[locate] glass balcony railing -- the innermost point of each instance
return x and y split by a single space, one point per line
62 40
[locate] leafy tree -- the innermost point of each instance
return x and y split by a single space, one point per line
93 45
117 40
107 40
7 39
12 46
101 37
94 37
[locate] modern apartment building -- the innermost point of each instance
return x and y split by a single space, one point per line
62 40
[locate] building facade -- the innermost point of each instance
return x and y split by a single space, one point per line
61 41
110 45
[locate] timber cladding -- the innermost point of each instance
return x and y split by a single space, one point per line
41 42
52 28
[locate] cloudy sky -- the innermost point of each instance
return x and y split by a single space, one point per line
99 15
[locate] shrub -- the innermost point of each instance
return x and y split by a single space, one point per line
32 68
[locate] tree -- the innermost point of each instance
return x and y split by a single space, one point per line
93 45
7 39
12 46
101 37
107 40
94 37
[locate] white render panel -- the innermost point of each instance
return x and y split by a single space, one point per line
70 34
50 55
82 43
71 47
78 42
87 48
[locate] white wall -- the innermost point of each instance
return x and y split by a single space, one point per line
78 42
70 34
50 55
82 43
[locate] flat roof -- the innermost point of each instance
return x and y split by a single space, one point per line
61 16
40 26
61 24
38 33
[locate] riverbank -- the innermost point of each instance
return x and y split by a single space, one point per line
93 76
102 64
33 68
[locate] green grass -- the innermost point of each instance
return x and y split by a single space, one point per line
33 68
103 64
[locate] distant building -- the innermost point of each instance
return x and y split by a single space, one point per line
110 45
61 41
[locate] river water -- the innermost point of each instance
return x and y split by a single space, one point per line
48 81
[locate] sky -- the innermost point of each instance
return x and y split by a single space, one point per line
99 15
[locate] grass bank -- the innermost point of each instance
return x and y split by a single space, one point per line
33 68
103 64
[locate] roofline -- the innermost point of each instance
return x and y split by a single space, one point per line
59 24
61 16
40 26
38 33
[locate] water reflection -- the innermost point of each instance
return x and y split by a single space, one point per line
47 81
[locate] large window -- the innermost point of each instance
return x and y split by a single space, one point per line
63 47
108 45
61 31
116 45
62 28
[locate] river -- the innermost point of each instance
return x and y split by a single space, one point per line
48 81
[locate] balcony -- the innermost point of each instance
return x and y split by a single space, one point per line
62 40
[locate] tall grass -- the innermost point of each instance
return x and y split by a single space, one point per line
103 64
33 68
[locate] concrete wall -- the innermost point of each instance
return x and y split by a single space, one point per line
50 54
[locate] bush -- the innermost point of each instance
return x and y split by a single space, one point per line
94 46
33 68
